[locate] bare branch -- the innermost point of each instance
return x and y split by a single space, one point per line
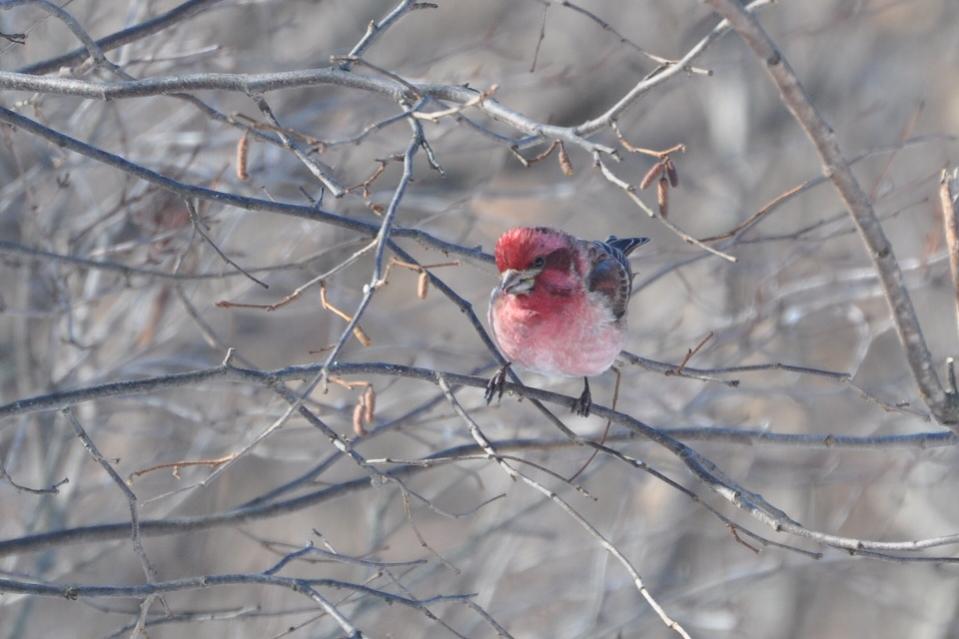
52 490
148 570
109 299
752 503
943 405
251 204
647 84
181 12
514 474
949 201
376 29
198 225
319 170
92 49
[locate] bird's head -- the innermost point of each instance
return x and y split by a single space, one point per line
529 256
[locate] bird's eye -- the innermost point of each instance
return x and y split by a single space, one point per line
539 262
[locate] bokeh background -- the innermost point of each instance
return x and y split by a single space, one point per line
802 292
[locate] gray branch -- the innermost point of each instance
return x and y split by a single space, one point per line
944 406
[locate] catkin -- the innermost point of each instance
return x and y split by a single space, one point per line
672 174
242 153
423 285
358 411
653 173
369 404
662 196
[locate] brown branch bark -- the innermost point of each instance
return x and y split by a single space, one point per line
948 196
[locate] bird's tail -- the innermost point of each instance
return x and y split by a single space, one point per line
627 244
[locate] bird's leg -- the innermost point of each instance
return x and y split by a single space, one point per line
496 384
609 422
581 406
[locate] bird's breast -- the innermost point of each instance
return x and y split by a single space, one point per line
572 335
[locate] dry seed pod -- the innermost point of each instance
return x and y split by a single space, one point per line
242 151
369 404
423 285
662 196
671 173
361 336
564 162
358 411
653 173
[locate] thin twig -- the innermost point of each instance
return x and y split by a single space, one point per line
319 170
299 290
542 36
148 570
273 509
376 29
183 463
647 84
52 490
630 192
93 50
179 13
692 352
252 204
563 504
623 39
198 224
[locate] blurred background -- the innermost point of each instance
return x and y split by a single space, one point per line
802 292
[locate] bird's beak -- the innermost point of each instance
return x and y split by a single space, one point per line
517 282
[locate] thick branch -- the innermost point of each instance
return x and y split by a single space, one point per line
943 405
248 203
252 83
949 200
700 467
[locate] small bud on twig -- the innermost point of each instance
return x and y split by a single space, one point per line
564 162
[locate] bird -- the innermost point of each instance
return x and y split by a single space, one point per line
560 306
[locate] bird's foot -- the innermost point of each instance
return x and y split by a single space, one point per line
496 384
582 405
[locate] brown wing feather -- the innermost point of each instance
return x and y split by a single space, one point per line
609 275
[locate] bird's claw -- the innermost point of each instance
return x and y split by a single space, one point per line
582 405
496 384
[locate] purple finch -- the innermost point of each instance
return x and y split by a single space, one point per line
560 307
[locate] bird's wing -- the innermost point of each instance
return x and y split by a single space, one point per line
609 274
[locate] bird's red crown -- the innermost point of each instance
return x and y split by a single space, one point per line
518 247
